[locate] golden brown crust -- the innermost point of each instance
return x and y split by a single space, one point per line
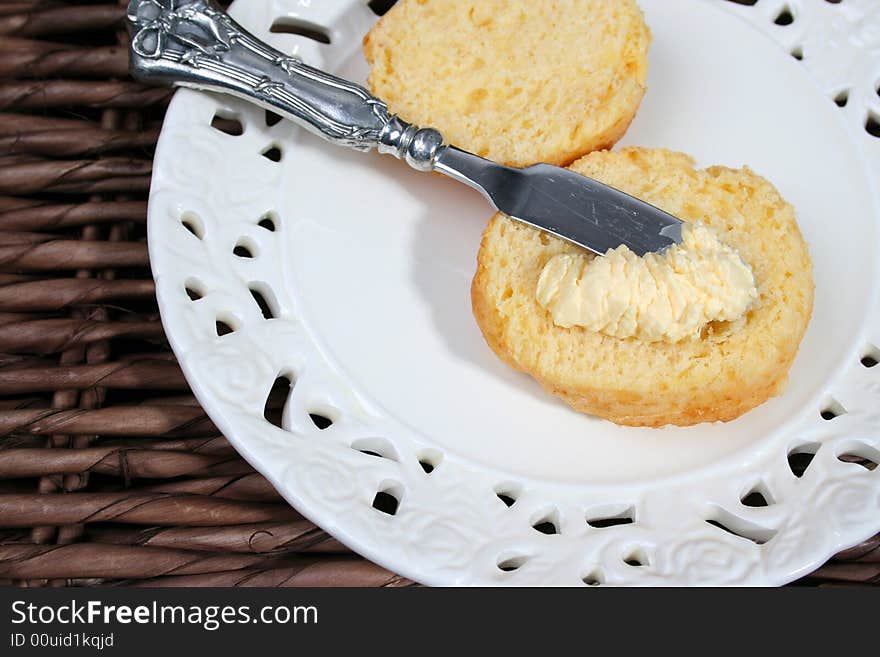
732 369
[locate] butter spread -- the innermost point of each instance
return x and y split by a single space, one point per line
665 296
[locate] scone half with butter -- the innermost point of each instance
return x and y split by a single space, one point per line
701 333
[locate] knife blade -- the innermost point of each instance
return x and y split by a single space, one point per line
562 202
194 44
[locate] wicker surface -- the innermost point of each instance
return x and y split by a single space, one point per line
110 473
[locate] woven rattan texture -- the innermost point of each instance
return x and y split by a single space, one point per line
110 472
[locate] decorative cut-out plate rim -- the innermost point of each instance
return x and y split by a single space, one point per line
448 522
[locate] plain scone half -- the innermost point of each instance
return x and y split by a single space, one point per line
729 369
516 82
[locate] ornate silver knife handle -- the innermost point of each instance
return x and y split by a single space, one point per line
190 43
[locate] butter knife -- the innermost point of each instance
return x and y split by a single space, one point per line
191 43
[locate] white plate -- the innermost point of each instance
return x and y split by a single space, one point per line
368 275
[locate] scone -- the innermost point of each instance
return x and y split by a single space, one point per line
516 82
729 369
